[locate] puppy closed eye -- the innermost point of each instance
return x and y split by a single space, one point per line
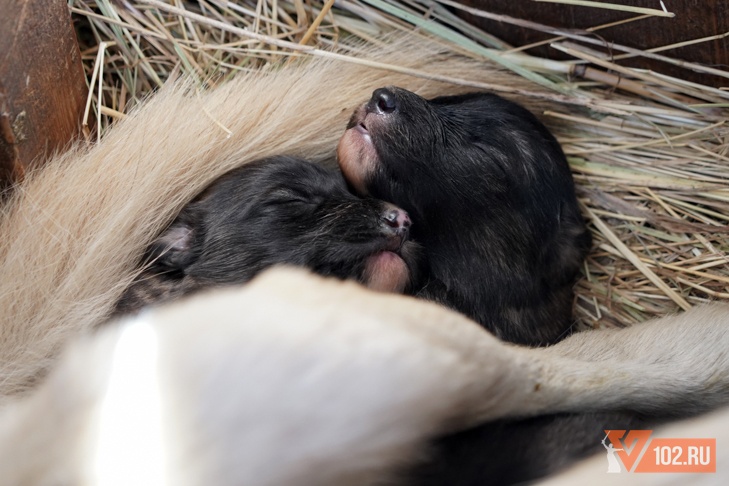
289 198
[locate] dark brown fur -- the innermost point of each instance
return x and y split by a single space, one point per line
280 210
492 199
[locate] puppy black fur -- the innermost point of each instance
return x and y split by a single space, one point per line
281 210
508 452
494 206
492 200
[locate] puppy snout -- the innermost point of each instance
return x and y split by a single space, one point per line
383 102
396 222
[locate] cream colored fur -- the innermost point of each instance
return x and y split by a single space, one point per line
74 231
297 380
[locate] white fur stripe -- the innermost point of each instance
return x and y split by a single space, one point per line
130 447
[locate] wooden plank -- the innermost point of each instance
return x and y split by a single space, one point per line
42 84
693 19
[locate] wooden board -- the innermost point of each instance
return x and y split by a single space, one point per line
42 84
694 19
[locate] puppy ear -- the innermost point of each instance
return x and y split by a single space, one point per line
173 249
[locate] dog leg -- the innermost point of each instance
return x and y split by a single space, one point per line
299 380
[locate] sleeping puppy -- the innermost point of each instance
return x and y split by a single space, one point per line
492 199
274 211
493 202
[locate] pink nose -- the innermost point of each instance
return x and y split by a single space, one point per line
397 219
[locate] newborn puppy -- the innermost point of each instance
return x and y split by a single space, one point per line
492 199
281 210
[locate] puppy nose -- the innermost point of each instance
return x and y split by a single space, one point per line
383 101
396 219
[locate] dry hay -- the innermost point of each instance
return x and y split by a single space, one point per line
648 152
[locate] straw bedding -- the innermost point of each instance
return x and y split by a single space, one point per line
648 152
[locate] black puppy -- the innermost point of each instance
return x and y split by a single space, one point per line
492 199
493 202
281 210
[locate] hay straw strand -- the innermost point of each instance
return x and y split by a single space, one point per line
613 6
648 151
